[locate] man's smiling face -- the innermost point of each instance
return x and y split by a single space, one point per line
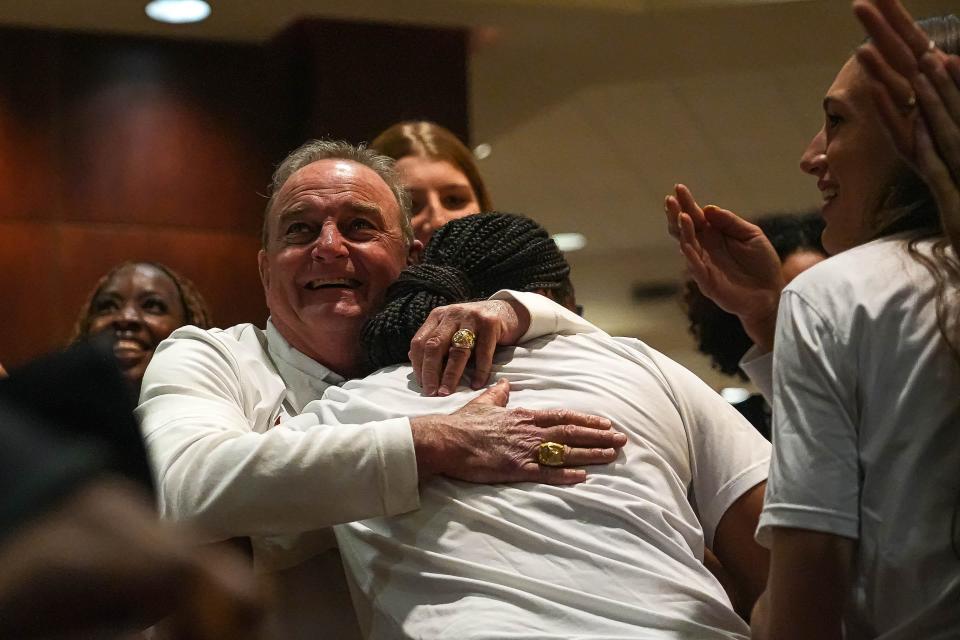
334 245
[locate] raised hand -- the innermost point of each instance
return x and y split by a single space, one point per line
731 261
485 442
910 71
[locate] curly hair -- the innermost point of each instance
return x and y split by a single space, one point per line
467 259
719 334
195 310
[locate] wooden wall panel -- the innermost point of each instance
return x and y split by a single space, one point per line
29 178
121 148
352 80
34 316
222 265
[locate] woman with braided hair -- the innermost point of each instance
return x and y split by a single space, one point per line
141 303
618 556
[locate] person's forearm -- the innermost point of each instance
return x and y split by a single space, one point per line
759 628
761 326
285 480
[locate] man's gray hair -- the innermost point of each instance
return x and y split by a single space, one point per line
315 150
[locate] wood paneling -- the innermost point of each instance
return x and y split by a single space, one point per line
120 148
222 265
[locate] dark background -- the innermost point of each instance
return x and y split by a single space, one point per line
118 148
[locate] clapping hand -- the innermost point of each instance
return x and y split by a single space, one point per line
731 261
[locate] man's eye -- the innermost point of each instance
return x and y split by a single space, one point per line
833 120
360 224
297 228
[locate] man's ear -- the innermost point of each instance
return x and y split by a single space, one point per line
264 266
415 254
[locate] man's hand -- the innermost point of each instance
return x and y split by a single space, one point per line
485 442
439 367
102 562
731 261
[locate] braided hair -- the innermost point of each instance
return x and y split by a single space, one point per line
467 259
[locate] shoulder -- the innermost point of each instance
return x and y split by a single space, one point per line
238 338
190 352
859 283
874 265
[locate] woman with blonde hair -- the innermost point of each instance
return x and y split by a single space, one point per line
439 171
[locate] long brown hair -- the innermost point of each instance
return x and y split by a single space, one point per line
430 140
910 206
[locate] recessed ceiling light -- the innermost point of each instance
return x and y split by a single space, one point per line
734 395
482 151
178 11
570 241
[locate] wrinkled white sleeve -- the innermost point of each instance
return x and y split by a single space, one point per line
728 456
215 470
815 470
758 365
546 316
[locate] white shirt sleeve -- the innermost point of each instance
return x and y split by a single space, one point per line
758 365
546 316
728 456
814 475
217 465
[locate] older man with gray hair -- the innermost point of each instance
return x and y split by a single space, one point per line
221 409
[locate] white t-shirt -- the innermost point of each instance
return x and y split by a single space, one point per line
866 428
219 413
619 556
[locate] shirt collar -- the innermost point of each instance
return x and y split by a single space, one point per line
305 378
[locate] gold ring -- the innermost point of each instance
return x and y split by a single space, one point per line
464 339
551 454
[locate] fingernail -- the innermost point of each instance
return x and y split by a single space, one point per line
620 438
444 391
429 390
609 453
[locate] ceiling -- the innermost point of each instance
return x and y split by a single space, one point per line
595 108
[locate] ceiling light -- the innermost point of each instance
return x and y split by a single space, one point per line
570 241
178 11
482 151
734 395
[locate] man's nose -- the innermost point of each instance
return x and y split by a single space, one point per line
814 158
329 244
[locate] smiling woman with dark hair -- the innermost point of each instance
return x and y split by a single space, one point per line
140 303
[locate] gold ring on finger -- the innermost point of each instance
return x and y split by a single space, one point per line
551 454
464 339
